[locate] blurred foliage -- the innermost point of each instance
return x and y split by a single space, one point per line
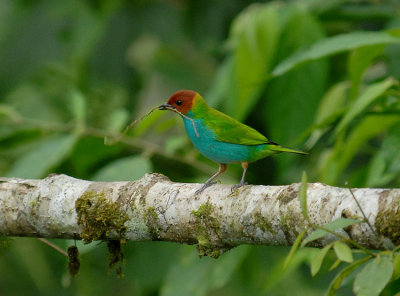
317 75
380 269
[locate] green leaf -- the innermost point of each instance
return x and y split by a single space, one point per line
50 152
256 36
222 90
210 274
89 153
296 94
371 93
344 152
117 120
124 169
33 260
294 249
392 53
343 252
333 45
331 104
320 7
385 166
78 107
335 264
330 108
174 143
373 278
396 267
9 111
335 284
332 226
147 123
359 61
318 259
30 101
303 196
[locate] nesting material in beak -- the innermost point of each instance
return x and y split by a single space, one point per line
172 108
166 107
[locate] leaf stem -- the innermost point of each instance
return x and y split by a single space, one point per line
350 241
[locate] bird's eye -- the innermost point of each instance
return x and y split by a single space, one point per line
179 103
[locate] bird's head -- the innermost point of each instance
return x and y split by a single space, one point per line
181 101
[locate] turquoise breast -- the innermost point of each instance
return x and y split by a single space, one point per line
218 151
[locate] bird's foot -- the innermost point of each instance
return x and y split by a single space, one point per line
205 185
234 187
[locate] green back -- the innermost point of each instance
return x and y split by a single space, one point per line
226 128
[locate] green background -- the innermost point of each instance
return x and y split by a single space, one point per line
320 76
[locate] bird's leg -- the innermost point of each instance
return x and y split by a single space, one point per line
209 182
245 165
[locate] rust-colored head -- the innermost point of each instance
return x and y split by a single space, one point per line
181 100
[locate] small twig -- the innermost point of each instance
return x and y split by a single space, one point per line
183 115
107 141
55 247
362 212
118 139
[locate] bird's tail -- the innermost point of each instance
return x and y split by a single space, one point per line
278 148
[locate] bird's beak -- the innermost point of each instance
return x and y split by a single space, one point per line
166 107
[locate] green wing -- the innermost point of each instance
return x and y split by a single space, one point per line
230 130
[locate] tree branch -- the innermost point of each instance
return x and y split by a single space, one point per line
154 208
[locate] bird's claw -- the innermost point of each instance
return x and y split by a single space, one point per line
234 187
205 185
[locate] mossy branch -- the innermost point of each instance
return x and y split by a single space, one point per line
154 208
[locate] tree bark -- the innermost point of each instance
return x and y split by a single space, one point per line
154 208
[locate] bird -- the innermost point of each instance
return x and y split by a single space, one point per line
220 137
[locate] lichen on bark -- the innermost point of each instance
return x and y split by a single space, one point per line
152 222
154 208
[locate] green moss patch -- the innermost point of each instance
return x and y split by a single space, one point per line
205 225
99 217
152 222
387 223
